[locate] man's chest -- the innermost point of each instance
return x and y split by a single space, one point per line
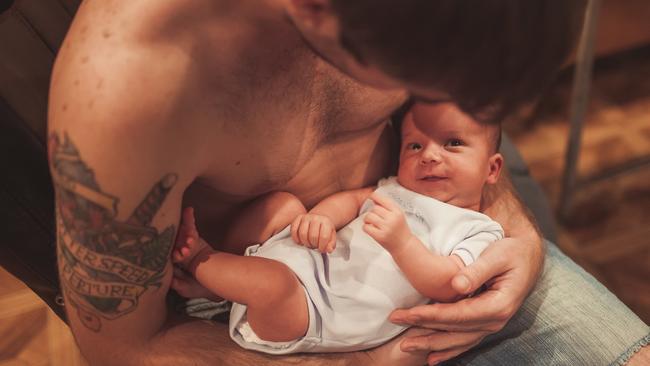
325 127
302 163
347 162
311 132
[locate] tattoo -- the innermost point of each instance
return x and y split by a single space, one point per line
105 264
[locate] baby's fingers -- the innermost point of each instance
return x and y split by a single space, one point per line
323 239
372 230
331 245
327 240
372 218
294 228
384 201
177 256
313 235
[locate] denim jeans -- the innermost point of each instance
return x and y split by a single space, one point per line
569 319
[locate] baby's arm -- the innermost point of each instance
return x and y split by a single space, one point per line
429 273
317 229
342 207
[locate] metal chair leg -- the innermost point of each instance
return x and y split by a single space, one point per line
579 103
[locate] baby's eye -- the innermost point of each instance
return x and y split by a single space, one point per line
455 143
414 146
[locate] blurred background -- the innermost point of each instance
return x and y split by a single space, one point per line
606 223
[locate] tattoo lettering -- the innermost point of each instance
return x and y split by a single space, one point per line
105 264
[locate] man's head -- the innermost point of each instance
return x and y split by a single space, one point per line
448 155
488 54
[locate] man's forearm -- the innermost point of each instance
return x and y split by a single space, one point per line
197 342
502 204
204 343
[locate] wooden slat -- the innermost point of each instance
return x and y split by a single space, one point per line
617 245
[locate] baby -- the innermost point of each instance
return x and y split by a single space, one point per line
327 280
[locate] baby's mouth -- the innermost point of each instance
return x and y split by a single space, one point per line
432 178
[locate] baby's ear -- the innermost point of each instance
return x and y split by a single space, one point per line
495 163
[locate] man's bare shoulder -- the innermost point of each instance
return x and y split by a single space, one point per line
167 58
119 81
112 56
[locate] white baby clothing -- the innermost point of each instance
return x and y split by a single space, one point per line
351 291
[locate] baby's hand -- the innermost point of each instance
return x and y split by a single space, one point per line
314 231
386 223
188 242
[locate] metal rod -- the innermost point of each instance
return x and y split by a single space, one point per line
579 103
626 167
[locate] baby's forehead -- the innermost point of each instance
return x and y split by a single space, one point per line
432 119
446 118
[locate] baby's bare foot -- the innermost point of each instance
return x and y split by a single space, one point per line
188 242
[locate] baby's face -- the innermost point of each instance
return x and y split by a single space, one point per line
447 155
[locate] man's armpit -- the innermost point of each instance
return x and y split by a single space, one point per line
105 264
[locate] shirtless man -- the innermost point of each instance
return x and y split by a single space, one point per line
210 103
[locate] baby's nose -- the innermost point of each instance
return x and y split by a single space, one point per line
431 154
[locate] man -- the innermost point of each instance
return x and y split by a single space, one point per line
211 103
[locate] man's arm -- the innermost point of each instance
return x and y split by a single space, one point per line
501 203
112 257
121 156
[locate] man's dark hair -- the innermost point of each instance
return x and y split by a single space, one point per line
495 137
489 55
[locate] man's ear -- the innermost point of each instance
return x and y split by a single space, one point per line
311 13
495 163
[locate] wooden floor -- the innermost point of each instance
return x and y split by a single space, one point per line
609 233
30 333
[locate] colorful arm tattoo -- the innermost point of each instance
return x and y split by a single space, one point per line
105 264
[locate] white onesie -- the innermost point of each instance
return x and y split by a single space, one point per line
351 291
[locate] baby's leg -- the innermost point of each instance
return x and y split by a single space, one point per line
277 305
261 219
186 248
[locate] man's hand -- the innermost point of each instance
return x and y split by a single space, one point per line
314 231
386 223
509 268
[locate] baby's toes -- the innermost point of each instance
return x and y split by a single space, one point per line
177 256
185 251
